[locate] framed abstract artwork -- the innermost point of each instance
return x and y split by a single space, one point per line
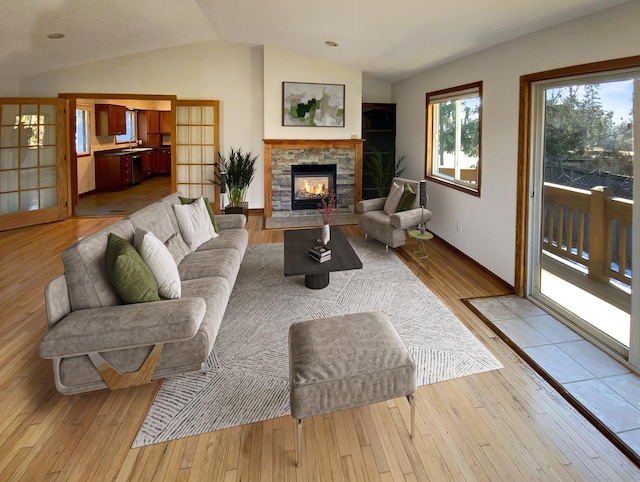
312 105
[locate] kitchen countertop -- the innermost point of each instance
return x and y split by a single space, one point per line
124 151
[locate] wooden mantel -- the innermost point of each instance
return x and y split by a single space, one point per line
270 144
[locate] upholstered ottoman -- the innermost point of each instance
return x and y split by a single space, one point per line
344 362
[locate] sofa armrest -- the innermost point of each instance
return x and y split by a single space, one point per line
376 204
123 326
56 296
231 221
412 217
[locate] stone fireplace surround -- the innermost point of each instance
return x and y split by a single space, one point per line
280 154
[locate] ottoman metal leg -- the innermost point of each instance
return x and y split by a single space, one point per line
412 402
299 442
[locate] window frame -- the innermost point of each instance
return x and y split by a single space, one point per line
452 93
87 130
134 125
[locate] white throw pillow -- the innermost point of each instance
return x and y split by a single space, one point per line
195 223
160 262
391 204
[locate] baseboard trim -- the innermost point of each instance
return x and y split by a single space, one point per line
93 191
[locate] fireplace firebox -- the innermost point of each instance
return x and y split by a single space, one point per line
310 183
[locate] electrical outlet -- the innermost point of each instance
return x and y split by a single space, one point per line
459 226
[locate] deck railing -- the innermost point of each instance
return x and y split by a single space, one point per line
592 229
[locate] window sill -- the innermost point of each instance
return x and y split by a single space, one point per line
474 191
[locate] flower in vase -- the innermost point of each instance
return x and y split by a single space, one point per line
327 207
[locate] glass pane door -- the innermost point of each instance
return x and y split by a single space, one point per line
32 176
583 202
197 145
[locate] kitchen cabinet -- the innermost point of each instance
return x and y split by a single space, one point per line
149 128
113 173
165 122
148 167
111 120
164 161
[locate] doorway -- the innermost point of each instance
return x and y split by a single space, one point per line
580 200
88 141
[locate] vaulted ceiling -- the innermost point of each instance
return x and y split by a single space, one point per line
387 39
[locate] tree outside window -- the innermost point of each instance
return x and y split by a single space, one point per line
453 137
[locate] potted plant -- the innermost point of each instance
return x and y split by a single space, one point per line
234 174
382 168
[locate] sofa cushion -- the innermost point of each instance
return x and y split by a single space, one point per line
128 273
194 222
177 247
207 204
222 263
407 199
86 270
154 218
228 238
160 262
391 204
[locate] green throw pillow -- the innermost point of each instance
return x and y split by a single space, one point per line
128 273
189 200
407 199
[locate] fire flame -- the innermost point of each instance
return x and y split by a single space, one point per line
317 189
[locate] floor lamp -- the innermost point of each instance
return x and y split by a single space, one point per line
423 204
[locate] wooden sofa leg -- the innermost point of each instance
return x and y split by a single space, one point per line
115 379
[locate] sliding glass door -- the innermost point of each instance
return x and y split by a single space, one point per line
581 201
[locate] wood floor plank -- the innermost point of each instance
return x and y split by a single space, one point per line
505 424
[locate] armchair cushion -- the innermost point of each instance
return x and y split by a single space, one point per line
391 204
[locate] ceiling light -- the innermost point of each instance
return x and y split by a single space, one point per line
55 36
331 43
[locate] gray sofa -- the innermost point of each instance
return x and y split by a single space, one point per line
95 341
390 228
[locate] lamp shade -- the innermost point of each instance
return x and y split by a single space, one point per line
423 192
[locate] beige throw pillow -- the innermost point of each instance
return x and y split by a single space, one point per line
195 224
159 260
391 204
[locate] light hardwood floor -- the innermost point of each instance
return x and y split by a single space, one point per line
502 425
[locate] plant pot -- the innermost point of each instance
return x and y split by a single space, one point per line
244 209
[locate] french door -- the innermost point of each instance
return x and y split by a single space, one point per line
33 176
581 208
197 143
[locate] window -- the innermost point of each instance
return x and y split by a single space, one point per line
131 128
453 137
83 144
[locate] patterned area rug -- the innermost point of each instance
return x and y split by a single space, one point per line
246 377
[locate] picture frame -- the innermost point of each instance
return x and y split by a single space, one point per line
308 104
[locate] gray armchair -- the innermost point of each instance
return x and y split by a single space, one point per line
388 226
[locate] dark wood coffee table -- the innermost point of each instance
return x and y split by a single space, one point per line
297 261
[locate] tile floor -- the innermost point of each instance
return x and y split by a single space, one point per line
605 387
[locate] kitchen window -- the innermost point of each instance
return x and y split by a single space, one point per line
453 137
131 128
83 139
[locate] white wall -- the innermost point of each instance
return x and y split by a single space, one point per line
375 91
229 72
282 65
488 222
10 90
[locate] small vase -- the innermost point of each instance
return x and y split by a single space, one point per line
326 234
